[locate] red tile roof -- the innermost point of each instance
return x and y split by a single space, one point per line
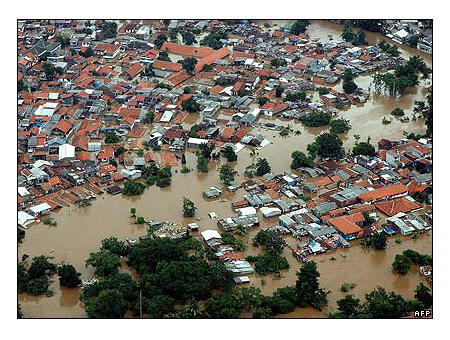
344 225
387 191
167 65
393 207
63 125
209 59
179 77
191 51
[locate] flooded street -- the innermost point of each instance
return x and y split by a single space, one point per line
79 230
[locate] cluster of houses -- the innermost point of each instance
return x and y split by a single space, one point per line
327 206
402 30
100 101
233 259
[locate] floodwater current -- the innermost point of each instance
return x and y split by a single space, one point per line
80 229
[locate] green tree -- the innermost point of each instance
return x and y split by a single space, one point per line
277 62
159 41
223 306
340 125
105 263
262 101
41 266
360 38
299 159
133 212
188 207
278 91
307 286
21 86
349 306
163 55
316 119
349 87
109 304
111 137
423 295
202 163
347 75
121 281
295 96
398 112
213 39
158 306
377 241
368 220
190 310
413 39
109 29
323 90
190 105
382 305
89 52
189 65
272 242
132 188
20 235
401 264
115 246
299 26
347 34
206 150
226 174
68 276
417 258
188 38
329 145
149 118
49 71
262 167
363 148
312 150
22 278
229 153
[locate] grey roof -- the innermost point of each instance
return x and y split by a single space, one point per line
348 193
342 174
324 208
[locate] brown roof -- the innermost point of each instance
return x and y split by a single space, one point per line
344 225
393 207
63 125
167 65
390 190
208 60
191 51
129 112
134 70
179 77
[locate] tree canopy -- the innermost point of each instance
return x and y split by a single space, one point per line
226 174
68 276
105 263
262 167
329 145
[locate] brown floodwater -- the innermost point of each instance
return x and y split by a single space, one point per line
80 229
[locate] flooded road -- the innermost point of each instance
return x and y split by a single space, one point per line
80 229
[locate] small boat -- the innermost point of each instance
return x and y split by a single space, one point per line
404 119
131 241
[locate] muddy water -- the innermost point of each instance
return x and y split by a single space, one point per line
80 229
